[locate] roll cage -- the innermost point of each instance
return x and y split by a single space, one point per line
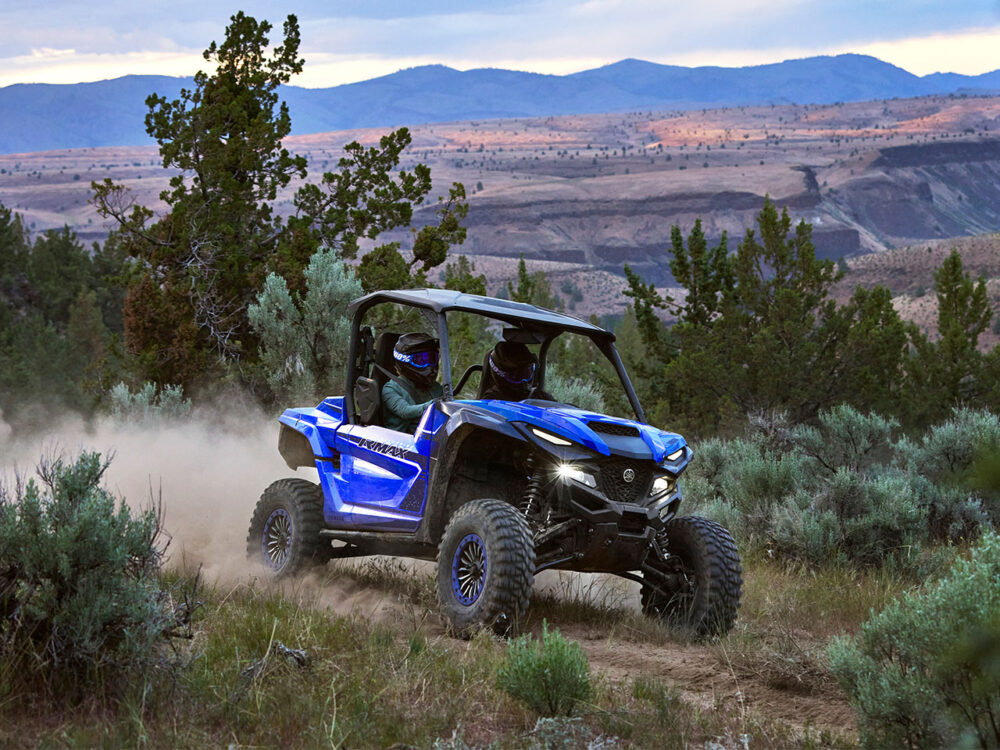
538 323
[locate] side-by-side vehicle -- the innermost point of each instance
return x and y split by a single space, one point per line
495 491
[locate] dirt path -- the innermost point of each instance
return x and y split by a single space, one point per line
699 672
706 681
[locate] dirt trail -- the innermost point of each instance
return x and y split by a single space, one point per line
698 671
704 680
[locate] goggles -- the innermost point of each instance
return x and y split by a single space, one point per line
419 360
520 375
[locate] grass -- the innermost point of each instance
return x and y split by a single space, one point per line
824 602
268 667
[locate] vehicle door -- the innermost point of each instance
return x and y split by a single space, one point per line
383 476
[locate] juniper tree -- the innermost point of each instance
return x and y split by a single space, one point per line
533 288
759 332
302 335
201 264
950 371
57 315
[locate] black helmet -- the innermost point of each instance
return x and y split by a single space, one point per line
416 356
513 365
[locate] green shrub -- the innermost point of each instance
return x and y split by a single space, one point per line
80 605
947 463
148 404
926 670
549 675
846 439
948 449
843 490
302 336
740 483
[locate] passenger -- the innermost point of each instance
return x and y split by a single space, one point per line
511 373
405 398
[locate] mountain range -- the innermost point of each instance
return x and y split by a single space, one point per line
41 117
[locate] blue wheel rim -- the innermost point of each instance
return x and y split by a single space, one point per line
468 569
276 540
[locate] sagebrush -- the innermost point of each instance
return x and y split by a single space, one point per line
848 489
81 606
550 675
925 672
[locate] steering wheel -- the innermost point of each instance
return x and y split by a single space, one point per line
465 376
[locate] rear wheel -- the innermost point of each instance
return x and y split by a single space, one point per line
486 567
698 587
284 530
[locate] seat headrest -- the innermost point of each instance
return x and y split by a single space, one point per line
384 345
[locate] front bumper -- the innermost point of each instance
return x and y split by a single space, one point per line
612 536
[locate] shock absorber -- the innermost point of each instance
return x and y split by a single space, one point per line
533 492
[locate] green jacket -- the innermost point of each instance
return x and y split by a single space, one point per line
402 410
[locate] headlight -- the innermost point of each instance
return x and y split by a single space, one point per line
661 485
676 454
549 437
568 471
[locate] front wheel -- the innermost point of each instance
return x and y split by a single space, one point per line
698 587
486 567
284 530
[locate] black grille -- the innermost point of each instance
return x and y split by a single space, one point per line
610 428
612 480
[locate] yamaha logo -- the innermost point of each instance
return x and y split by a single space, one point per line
628 475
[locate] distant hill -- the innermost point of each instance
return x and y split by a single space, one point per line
40 117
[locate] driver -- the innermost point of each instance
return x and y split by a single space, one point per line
405 398
511 373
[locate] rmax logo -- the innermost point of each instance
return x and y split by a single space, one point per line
397 451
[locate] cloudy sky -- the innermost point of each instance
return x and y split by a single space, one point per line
66 41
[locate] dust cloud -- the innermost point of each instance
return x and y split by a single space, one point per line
207 472
207 475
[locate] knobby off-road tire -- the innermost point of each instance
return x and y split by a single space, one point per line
284 530
706 566
486 567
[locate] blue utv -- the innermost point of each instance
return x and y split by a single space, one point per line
494 490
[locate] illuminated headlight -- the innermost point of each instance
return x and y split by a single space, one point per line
549 437
568 471
661 485
676 454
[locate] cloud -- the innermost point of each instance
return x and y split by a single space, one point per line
343 40
47 53
73 68
969 52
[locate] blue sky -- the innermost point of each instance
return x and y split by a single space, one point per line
65 41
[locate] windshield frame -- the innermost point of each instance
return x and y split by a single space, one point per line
602 339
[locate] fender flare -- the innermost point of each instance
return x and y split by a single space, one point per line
460 427
299 441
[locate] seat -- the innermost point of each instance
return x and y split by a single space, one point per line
487 379
368 391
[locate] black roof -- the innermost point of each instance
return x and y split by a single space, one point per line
518 313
